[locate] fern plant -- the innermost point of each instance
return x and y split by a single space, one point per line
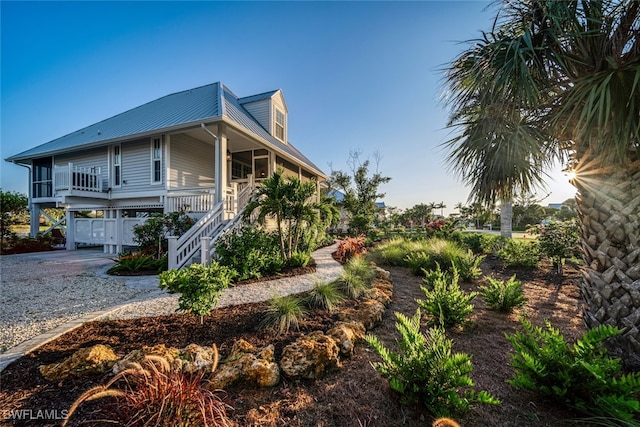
426 371
503 296
581 375
447 304
418 262
468 265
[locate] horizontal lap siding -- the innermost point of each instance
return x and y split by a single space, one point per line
191 163
136 167
261 111
98 158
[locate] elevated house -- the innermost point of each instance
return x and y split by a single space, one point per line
201 150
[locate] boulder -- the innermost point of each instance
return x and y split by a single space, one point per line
191 359
378 293
170 354
249 364
382 274
88 360
369 313
310 356
346 334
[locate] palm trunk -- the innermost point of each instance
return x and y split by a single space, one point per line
506 218
609 210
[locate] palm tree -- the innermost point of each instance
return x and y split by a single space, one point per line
565 75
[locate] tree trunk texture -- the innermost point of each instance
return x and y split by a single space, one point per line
506 219
609 210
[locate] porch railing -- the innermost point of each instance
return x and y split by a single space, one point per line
69 177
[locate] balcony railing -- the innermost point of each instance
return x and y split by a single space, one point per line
70 177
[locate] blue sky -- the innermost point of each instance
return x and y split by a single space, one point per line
356 75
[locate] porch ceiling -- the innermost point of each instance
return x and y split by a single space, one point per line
236 141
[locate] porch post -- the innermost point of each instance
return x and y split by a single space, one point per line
119 229
71 230
221 165
34 220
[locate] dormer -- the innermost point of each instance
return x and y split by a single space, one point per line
270 110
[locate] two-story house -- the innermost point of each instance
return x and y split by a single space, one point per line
201 150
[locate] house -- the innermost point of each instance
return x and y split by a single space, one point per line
202 150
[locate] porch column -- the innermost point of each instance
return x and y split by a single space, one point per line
71 230
34 220
119 229
221 165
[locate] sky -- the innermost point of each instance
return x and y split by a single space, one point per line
359 76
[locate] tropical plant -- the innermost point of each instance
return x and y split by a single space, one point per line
503 296
350 247
300 259
151 237
554 80
151 393
137 262
558 240
426 371
326 296
12 205
444 301
199 286
468 266
516 253
581 375
284 313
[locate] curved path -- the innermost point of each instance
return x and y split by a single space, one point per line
143 298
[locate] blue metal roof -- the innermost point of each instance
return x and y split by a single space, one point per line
258 97
170 112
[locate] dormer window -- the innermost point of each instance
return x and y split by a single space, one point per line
280 123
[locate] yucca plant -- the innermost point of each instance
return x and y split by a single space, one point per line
581 375
284 313
426 371
444 301
151 393
503 296
326 296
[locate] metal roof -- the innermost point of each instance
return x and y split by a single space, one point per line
171 112
258 97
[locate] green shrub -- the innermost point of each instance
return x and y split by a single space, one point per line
200 286
300 259
558 241
418 262
468 266
492 243
151 237
393 252
517 253
444 300
581 375
503 296
326 296
284 313
251 252
425 371
138 262
471 241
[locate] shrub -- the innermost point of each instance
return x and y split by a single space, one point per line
468 266
284 313
251 252
350 247
151 236
200 286
516 253
558 240
326 296
444 300
300 259
393 252
425 371
138 262
503 296
492 243
418 262
356 277
581 375
154 394
472 241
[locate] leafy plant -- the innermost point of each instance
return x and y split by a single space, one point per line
426 371
558 240
325 295
444 300
516 253
503 296
418 262
350 247
468 266
300 259
252 252
151 236
200 286
284 313
154 394
581 375
136 262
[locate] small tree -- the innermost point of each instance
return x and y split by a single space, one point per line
360 192
151 236
12 205
558 240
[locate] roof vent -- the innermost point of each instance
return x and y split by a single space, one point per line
99 133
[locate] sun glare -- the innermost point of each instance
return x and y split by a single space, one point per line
571 175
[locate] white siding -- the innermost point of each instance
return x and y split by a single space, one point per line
261 111
136 167
97 157
191 163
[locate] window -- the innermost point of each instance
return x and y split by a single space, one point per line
42 177
156 160
280 125
116 160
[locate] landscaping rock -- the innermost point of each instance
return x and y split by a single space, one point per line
381 273
88 360
369 313
193 358
171 355
310 356
380 294
346 334
249 364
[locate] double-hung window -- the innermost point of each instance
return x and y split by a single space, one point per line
279 125
116 166
156 160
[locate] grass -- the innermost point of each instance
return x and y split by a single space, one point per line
326 296
284 313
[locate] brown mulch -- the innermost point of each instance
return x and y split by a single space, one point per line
355 395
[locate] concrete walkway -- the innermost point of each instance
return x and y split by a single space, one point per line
153 301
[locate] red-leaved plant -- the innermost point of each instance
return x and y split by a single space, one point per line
350 247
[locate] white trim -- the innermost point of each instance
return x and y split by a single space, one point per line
154 160
167 160
112 166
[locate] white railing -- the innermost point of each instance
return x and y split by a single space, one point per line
183 248
81 178
191 201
